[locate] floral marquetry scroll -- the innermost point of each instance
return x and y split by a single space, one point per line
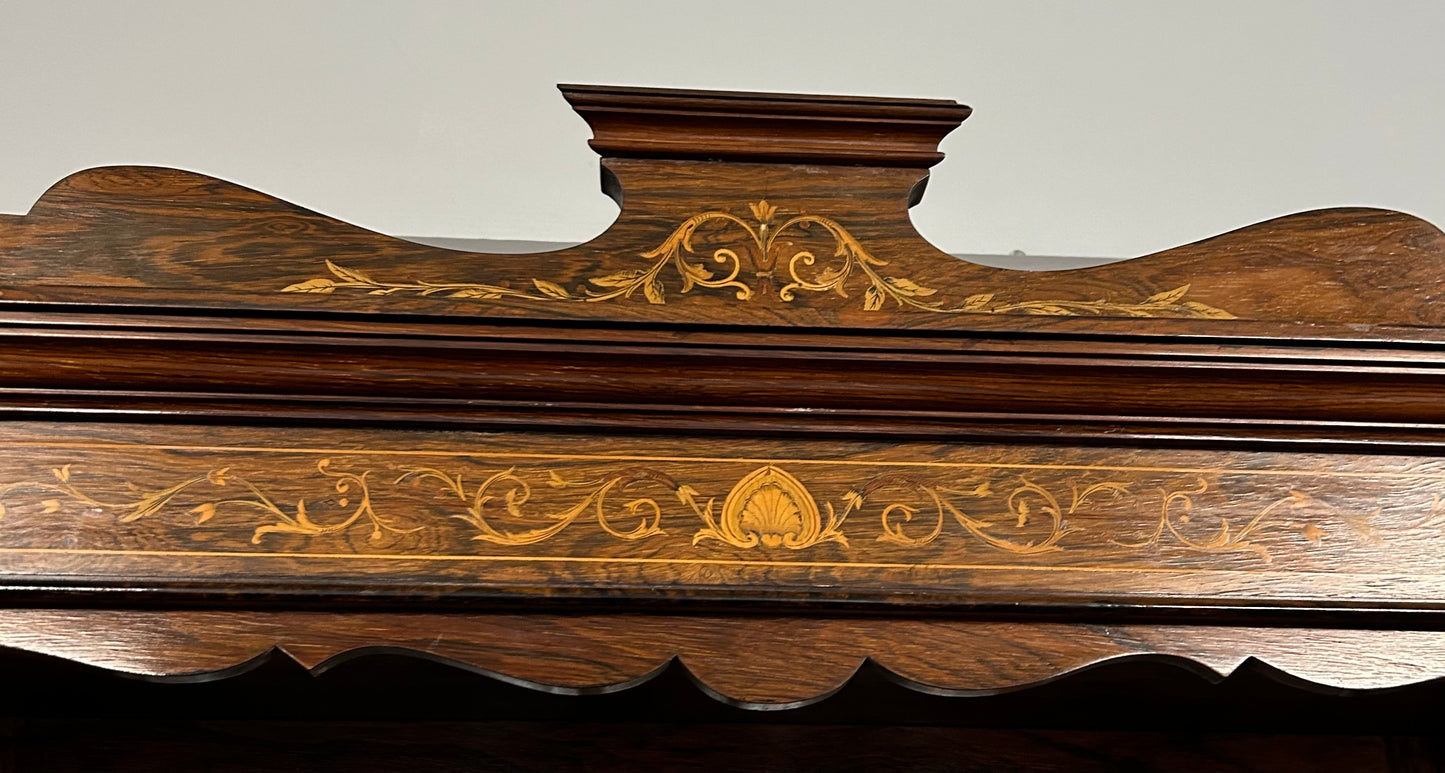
803 272
766 508
643 511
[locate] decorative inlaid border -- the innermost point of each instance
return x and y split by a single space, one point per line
849 259
769 511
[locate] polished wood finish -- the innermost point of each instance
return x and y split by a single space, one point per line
1354 273
476 516
759 427
749 660
747 126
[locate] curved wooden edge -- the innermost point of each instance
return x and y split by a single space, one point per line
754 662
155 237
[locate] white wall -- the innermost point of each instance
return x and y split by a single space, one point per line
1100 128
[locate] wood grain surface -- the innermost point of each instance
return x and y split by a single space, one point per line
207 243
749 660
796 215
759 427
246 510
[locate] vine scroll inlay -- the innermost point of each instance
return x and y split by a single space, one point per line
805 273
767 509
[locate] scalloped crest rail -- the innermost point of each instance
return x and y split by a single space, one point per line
757 406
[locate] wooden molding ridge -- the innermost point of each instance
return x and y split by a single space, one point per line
632 122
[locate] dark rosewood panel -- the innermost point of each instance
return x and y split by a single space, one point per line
759 428
757 661
798 217
893 524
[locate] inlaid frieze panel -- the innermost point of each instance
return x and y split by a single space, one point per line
486 512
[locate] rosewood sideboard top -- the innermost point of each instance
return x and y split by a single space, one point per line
760 413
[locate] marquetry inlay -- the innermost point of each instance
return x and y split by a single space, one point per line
804 272
773 510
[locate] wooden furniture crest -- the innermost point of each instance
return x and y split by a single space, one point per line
676 252
760 408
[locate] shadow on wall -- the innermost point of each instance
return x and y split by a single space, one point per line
1017 260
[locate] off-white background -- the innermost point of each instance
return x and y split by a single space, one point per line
1100 128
